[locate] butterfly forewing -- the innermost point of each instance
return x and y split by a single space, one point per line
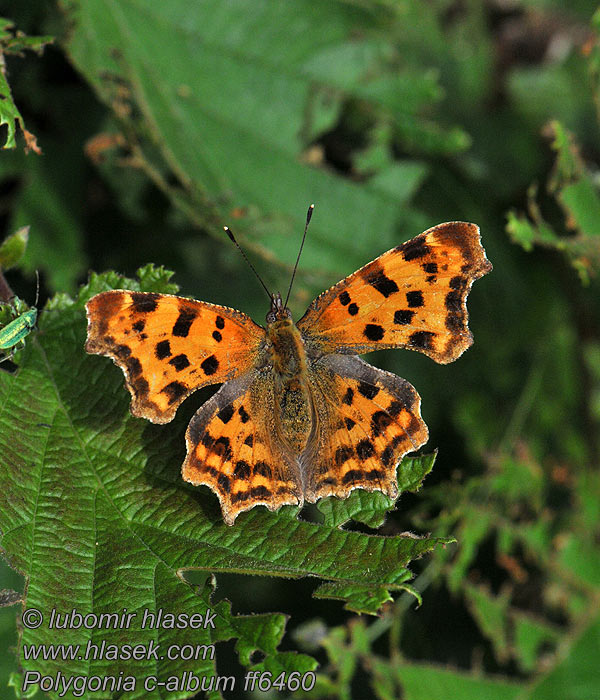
413 296
169 346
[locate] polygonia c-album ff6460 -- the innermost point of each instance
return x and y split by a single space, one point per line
299 416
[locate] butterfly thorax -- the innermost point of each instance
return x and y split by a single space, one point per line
290 377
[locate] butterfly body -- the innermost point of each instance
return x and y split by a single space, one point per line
289 374
298 416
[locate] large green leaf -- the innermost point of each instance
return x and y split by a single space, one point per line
15 43
575 677
94 513
230 93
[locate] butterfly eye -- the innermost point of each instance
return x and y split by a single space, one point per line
271 317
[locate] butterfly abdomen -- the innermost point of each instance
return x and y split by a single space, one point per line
292 395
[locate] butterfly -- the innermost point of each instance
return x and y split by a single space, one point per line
299 415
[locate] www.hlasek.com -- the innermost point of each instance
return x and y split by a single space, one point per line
79 685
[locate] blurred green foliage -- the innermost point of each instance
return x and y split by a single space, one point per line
161 122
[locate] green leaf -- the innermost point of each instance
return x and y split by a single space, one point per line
581 201
226 92
424 682
13 248
371 508
94 496
490 612
579 556
360 599
15 42
576 675
574 187
9 113
530 636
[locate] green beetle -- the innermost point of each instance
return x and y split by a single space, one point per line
17 330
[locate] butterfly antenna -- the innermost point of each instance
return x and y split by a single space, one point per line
308 218
237 245
37 291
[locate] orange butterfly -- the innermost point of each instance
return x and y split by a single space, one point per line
299 416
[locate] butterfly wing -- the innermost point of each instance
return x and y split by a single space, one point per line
413 296
233 448
366 421
168 346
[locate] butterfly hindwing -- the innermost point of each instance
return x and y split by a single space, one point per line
232 448
367 420
169 346
413 296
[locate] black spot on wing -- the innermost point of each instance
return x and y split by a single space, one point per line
225 414
422 340
395 406
365 449
244 416
139 325
223 481
263 469
415 299
122 351
175 391
144 303
210 365
373 475
380 420
162 349
220 322
349 423
415 248
344 298
367 390
352 475
141 387
134 367
242 470
453 301
184 321
348 397
403 317
222 447
387 455
217 336
455 321
353 309
249 441
373 331
207 439
458 282
180 362
383 284
431 268
260 492
343 454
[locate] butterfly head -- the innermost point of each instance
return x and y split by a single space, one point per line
279 311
